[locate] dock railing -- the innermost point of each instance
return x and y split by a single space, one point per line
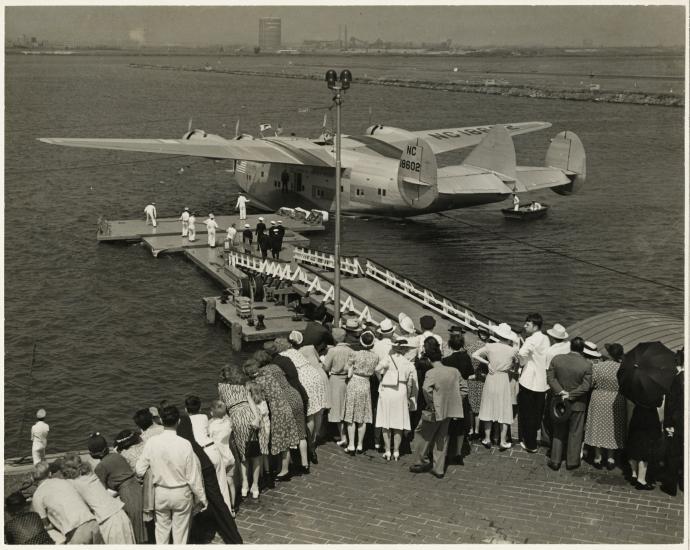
322 260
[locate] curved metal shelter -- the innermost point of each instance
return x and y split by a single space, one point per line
629 327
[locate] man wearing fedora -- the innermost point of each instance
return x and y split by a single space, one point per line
315 333
560 345
570 378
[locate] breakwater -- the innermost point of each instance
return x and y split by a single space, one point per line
465 86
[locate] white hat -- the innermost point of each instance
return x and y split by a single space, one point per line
211 216
246 225
186 207
558 332
296 337
406 323
591 350
280 221
386 326
41 414
154 411
505 332
273 222
261 219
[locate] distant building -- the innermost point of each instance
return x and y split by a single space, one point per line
270 34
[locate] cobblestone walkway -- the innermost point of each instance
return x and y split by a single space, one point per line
509 497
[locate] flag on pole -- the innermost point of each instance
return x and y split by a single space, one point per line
264 127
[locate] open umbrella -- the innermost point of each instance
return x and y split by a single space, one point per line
646 373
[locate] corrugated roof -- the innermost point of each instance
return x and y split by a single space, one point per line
629 327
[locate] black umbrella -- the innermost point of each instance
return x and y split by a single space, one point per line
646 373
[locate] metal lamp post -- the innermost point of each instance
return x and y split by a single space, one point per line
338 85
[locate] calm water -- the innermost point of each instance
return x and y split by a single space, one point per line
116 329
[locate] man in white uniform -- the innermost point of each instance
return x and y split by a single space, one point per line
178 484
211 226
39 437
184 218
230 237
150 212
242 206
192 227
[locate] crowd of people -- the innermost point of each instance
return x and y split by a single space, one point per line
384 386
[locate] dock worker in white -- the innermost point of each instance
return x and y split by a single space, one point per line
211 226
230 236
39 437
516 202
242 206
192 227
533 385
150 212
177 481
184 218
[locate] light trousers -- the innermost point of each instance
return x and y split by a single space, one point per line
173 514
431 435
212 237
38 454
185 228
243 212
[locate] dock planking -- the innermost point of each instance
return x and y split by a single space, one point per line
136 230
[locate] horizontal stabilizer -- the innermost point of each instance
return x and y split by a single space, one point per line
495 152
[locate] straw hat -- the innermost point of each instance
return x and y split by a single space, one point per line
352 324
504 332
296 337
41 414
261 218
338 335
591 350
406 323
386 326
558 332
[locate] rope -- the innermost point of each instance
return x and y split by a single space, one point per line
564 255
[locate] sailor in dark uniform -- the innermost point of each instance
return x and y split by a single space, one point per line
261 237
281 235
284 179
275 241
247 237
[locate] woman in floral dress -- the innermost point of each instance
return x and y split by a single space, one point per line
606 415
358 410
286 410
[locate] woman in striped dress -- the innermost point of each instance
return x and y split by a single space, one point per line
233 393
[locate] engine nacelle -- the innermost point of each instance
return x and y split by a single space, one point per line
201 135
417 172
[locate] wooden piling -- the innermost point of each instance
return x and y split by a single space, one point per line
236 336
211 310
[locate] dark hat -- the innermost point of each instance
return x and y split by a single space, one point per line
367 339
561 409
615 351
456 329
97 444
427 322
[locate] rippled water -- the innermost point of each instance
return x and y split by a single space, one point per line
116 329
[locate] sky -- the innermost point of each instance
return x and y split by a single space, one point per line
465 25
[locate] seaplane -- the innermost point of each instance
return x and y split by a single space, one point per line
386 171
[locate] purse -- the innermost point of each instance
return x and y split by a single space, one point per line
252 448
390 377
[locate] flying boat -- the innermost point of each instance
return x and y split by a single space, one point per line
386 171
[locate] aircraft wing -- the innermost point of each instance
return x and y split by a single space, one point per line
450 139
199 144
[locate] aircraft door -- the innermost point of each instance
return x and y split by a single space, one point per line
345 187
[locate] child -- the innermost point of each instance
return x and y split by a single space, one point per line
264 427
39 437
220 429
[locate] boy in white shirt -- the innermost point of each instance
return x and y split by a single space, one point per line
39 437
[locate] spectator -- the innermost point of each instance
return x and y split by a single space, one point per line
606 414
144 420
220 430
264 433
428 323
113 522
177 479
315 333
533 385
475 383
59 504
117 476
674 427
459 430
570 379
496 402
560 344
444 401
335 364
24 526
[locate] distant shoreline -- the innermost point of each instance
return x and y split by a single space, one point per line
512 90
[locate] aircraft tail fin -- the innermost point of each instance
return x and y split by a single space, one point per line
567 153
417 174
496 152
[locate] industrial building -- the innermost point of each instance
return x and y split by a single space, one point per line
269 34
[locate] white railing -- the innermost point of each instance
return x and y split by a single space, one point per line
348 264
445 307
313 282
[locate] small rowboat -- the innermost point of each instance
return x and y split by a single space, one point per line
527 212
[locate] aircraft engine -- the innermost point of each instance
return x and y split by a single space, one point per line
201 135
389 134
567 153
417 174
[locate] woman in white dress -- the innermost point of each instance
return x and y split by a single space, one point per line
398 382
497 399
220 430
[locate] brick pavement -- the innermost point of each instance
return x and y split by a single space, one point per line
509 497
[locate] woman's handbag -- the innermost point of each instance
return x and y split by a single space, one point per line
390 377
252 448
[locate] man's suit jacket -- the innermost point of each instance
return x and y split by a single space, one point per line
442 393
573 373
315 334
